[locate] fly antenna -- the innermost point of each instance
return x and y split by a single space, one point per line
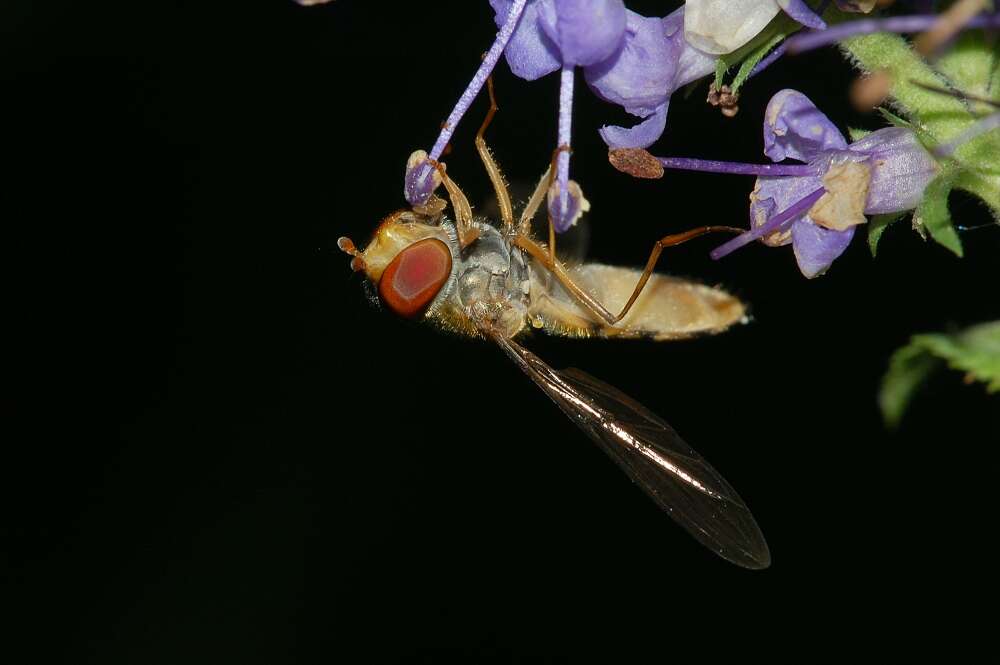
346 245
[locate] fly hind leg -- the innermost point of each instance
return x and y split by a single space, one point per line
589 301
654 256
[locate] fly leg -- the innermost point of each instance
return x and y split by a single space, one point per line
534 203
654 256
546 259
467 232
492 170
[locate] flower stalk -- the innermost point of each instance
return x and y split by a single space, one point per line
419 185
896 24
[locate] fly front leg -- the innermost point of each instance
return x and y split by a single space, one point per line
552 265
467 232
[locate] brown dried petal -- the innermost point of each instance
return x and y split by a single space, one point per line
636 162
843 204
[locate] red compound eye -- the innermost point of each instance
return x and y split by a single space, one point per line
410 282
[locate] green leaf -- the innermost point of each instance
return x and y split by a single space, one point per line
894 119
968 64
979 158
857 133
909 368
925 137
932 213
877 226
720 72
973 65
994 83
975 351
754 58
943 116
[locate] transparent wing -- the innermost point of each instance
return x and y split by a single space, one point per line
654 457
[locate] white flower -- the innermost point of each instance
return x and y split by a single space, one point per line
722 26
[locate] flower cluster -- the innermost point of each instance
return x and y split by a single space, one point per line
817 212
942 85
638 62
626 59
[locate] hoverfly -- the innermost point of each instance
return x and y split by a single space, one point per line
478 279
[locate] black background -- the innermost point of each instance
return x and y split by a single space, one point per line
219 452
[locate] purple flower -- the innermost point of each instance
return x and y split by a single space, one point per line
649 61
420 180
640 77
885 172
815 205
654 61
628 59
554 33
562 35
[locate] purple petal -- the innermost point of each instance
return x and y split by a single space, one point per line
795 129
585 31
640 76
901 169
577 205
530 53
816 248
642 135
773 194
420 179
799 11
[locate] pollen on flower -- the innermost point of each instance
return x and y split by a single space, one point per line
578 205
843 204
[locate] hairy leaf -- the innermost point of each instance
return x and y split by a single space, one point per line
720 72
975 351
968 65
972 66
932 213
943 116
909 368
755 57
856 133
878 225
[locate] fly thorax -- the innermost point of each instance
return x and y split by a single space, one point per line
493 277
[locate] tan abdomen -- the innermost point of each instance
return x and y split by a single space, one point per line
668 308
